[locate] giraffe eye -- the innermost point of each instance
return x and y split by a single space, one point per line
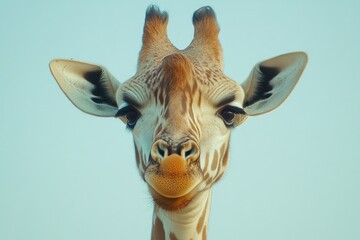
130 114
228 115
132 118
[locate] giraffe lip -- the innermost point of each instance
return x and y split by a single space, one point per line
172 186
173 177
172 204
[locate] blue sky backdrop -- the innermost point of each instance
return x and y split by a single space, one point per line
294 173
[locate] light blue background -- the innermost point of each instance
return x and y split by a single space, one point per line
294 173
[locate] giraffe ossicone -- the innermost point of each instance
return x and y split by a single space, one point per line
180 108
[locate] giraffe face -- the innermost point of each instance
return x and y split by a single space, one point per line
180 106
181 126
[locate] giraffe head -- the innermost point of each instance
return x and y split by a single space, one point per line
180 106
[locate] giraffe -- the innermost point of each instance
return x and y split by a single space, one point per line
180 108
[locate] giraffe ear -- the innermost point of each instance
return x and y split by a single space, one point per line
89 87
271 81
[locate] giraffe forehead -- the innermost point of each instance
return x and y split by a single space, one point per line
176 72
180 74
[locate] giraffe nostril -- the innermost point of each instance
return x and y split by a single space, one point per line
190 151
161 152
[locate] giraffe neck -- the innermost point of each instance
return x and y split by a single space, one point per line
189 223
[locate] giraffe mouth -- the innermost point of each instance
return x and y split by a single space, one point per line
172 204
173 182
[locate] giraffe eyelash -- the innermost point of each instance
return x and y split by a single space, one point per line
131 114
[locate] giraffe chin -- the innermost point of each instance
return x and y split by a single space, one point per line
170 192
172 204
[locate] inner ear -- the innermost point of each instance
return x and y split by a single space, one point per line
93 76
269 72
263 87
102 93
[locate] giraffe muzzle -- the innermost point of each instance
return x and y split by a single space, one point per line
173 178
174 174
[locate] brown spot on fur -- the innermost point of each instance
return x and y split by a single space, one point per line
172 236
161 97
201 219
158 232
158 130
222 149
142 162
204 233
207 175
215 161
199 99
137 155
193 119
226 156
156 93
